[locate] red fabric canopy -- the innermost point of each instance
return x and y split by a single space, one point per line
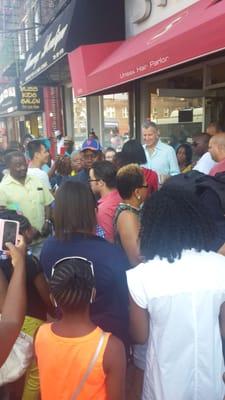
190 34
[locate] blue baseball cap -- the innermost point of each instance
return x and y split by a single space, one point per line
91 144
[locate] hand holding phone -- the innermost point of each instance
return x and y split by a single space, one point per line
17 252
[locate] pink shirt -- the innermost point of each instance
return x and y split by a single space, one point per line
107 206
219 167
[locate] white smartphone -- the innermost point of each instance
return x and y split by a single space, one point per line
9 231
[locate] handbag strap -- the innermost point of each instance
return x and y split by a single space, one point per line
89 367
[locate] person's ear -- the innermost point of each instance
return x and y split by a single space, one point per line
137 194
101 182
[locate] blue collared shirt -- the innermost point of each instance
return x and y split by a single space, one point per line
163 160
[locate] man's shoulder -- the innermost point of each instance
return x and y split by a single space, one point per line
7 179
36 171
34 180
166 147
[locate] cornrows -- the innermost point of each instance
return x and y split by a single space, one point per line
72 283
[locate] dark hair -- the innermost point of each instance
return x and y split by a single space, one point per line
149 124
63 165
133 152
129 178
119 160
105 171
188 152
12 215
203 135
110 149
72 283
34 146
174 219
74 210
13 154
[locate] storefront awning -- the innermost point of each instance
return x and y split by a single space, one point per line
80 22
193 33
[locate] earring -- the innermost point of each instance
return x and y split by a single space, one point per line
93 293
138 197
55 303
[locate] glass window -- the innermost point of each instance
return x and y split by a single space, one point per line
116 120
178 118
80 120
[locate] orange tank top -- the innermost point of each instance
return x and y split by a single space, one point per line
62 362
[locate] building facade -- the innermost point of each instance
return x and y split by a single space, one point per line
21 25
107 67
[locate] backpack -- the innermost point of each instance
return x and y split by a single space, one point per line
198 183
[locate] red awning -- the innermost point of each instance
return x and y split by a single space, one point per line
190 34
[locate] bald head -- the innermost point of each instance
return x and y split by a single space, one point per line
217 147
214 128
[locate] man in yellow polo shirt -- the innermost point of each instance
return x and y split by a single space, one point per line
27 195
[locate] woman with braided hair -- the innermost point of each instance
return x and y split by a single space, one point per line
81 361
177 299
75 227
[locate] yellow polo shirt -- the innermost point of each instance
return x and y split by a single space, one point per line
29 198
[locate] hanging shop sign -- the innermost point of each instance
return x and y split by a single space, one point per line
30 98
78 23
16 98
51 46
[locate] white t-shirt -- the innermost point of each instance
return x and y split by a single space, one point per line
205 163
41 175
184 358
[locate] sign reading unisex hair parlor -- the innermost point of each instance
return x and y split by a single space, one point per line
16 98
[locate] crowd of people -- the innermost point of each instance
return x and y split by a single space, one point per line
118 274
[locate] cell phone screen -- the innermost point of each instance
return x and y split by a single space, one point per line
9 234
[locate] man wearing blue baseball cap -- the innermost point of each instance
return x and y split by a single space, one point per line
91 151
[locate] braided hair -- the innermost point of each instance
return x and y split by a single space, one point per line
173 220
72 284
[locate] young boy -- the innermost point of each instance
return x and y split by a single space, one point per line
76 359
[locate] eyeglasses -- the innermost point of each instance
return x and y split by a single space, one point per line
144 186
72 258
93 180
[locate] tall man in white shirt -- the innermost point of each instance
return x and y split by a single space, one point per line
160 156
39 155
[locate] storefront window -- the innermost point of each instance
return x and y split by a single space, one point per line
80 120
178 118
116 120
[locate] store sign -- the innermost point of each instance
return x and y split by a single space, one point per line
53 49
8 98
50 47
16 98
30 98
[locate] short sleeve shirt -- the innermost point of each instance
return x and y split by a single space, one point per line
184 356
29 198
41 175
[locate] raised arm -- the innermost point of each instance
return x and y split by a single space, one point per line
13 310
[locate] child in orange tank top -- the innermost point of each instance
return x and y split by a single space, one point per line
76 359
